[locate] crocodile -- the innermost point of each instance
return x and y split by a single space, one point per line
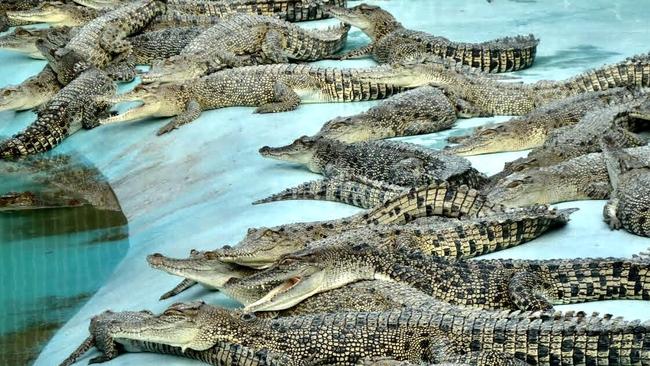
161 44
264 246
630 200
272 88
618 122
23 40
244 40
358 164
432 333
15 5
101 42
32 92
74 107
56 14
392 43
488 284
459 239
531 130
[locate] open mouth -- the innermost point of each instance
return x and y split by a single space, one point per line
283 288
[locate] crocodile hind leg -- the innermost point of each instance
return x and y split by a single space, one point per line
272 46
285 97
610 214
356 53
192 112
525 289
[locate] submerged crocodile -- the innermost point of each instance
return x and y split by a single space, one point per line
361 164
271 88
432 333
392 43
72 108
581 178
531 130
56 14
419 111
629 203
32 92
459 239
244 40
488 284
101 42
23 40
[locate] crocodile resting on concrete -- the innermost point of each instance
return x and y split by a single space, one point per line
31 93
432 333
56 14
357 166
488 284
415 112
531 130
72 108
451 238
630 199
272 88
392 43
244 40
23 40
581 178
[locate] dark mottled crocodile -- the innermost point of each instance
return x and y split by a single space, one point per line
31 93
23 40
263 246
392 43
488 284
433 333
434 236
531 130
618 122
629 203
419 111
101 42
361 164
244 40
72 108
581 178
272 88
56 14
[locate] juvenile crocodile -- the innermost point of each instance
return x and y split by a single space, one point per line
101 41
488 284
531 130
263 246
272 88
32 92
23 40
446 238
56 14
244 40
392 43
361 164
581 178
629 203
432 333
415 112
72 108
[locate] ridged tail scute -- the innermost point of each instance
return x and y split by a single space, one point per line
49 129
632 72
499 55
353 193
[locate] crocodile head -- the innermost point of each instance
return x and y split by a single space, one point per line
490 139
175 68
55 13
195 325
202 267
311 271
372 20
158 100
22 40
17 98
301 151
352 129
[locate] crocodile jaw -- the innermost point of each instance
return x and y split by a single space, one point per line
99 4
16 98
348 16
174 332
173 72
39 15
295 153
212 273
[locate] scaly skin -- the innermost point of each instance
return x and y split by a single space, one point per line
581 178
432 333
272 88
367 166
415 112
264 246
487 284
56 14
629 204
161 44
243 40
31 93
458 239
392 43
15 5
99 41
72 108
23 40
531 130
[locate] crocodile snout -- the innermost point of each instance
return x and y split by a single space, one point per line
155 259
265 150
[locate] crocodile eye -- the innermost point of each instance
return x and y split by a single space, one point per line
488 132
287 261
514 184
248 317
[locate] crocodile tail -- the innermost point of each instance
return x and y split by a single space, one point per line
87 344
42 135
359 193
498 55
633 72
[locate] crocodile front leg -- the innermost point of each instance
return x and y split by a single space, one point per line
285 98
272 46
192 111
